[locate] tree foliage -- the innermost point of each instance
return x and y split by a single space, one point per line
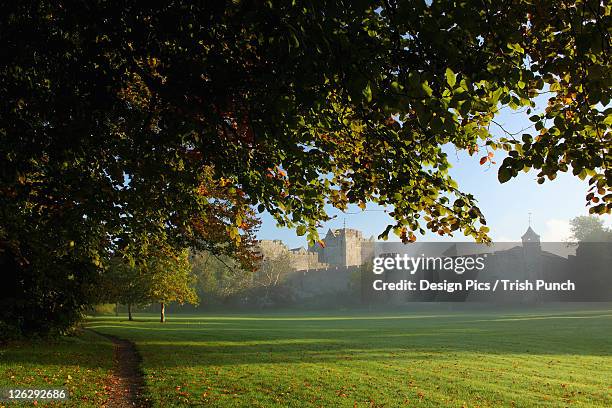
589 229
163 277
219 278
270 285
124 283
222 281
171 278
125 122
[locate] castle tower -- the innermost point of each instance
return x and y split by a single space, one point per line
342 247
532 255
531 240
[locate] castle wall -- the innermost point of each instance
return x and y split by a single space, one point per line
323 281
306 261
367 252
299 259
272 249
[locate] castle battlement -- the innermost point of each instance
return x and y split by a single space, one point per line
341 248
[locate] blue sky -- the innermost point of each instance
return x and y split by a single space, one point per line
505 206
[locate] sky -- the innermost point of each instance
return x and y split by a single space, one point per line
505 206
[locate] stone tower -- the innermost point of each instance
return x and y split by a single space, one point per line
342 247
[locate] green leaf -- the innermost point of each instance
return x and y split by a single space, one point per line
496 95
451 78
504 175
367 93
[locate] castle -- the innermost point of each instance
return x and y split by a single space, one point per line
509 261
343 247
336 268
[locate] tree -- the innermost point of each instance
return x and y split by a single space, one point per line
126 284
219 278
589 229
164 277
593 242
171 280
222 279
270 280
126 120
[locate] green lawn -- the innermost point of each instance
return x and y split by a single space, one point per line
546 358
80 364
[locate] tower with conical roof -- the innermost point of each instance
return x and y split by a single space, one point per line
532 255
531 239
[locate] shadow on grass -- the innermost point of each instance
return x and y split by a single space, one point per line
326 340
87 350
235 341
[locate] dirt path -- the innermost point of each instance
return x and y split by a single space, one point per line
126 385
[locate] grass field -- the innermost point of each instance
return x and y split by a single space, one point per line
558 358
426 359
80 364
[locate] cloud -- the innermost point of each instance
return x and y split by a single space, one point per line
556 231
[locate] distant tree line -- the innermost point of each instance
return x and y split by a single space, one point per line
589 229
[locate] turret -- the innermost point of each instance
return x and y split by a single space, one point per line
532 253
531 239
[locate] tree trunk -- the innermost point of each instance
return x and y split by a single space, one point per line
129 305
162 317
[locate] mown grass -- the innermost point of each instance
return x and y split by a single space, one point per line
546 358
81 364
